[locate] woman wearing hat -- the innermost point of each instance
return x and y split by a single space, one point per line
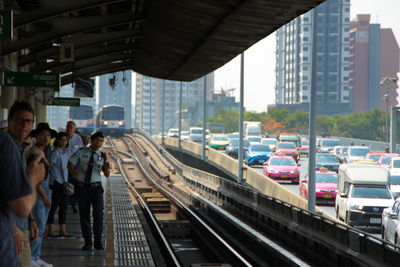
42 134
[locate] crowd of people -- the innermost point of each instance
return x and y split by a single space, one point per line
36 182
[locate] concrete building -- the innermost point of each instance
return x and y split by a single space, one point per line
313 50
163 98
374 55
116 89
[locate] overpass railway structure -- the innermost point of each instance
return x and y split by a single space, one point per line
259 230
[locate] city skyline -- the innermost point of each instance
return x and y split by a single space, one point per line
260 58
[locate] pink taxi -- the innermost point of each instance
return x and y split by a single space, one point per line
384 160
282 168
325 186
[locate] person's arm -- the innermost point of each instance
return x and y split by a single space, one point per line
46 200
22 206
71 169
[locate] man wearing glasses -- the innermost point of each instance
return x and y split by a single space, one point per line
17 183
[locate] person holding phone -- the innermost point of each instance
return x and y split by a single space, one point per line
42 134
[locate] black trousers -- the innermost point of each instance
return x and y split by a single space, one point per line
58 200
90 197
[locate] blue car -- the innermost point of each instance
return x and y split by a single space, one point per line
257 154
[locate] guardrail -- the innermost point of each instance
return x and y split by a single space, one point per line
293 225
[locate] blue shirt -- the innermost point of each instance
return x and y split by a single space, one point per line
81 159
58 170
13 184
74 143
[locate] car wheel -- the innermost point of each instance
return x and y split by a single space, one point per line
295 182
383 232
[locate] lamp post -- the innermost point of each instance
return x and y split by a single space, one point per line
385 82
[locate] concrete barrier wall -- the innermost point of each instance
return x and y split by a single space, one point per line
253 178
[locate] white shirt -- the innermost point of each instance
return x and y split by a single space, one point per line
74 143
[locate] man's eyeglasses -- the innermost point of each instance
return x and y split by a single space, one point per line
22 120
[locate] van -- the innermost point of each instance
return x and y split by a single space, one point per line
362 194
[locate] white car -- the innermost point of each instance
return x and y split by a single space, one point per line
395 182
391 223
173 132
184 135
271 142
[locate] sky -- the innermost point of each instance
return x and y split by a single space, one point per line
259 60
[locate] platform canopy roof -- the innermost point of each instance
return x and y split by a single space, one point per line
168 39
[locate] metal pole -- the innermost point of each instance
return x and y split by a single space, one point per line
311 131
393 130
203 144
241 111
387 112
151 107
141 110
180 118
163 112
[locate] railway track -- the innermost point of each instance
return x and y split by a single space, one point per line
182 236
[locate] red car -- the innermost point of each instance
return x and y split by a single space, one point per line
287 149
282 168
325 186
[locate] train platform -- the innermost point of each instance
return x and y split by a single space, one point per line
124 238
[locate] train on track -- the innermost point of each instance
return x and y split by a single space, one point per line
83 117
111 120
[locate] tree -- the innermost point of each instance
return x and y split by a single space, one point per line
271 126
279 114
228 117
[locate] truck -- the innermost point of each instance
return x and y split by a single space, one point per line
252 128
362 194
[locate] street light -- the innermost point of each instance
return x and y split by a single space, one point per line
385 82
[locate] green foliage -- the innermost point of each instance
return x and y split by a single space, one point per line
228 117
368 125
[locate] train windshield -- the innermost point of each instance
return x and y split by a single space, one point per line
113 113
81 112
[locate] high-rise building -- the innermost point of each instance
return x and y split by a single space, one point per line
158 100
374 55
116 89
313 51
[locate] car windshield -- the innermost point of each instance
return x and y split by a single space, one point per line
184 133
233 135
260 148
371 192
268 142
374 157
254 139
287 145
326 178
305 142
344 149
359 151
326 158
330 142
395 179
385 160
235 143
396 163
173 131
282 161
220 138
196 131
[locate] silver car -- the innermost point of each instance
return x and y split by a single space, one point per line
391 223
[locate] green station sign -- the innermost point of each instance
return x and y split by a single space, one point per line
65 101
6 24
31 79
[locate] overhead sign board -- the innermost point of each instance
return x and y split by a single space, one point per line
6 24
31 79
65 101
